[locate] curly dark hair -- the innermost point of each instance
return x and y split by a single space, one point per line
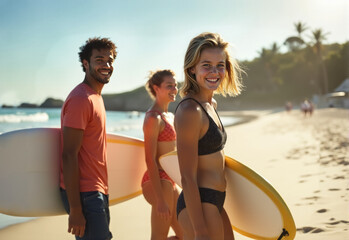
95 43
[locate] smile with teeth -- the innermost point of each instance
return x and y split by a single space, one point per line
213 80
105 73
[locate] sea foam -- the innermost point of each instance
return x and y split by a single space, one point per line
17 118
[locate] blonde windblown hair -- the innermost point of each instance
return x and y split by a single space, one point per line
231 84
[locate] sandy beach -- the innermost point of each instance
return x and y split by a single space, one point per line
306 159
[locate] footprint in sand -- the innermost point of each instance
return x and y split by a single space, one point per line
306 175
334 189
315 198
345 163
338 222
310 230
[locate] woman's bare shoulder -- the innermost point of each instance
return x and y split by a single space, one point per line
188 112
151 118
188 106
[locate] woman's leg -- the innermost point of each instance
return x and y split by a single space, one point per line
185 223
174 223
213 221
228 230
159 227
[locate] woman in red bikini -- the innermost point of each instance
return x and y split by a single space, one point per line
159 138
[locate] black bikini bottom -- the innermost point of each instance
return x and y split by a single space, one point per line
207 195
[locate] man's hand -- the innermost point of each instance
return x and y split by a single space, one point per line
77 223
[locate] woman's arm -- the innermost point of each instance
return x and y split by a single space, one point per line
188 123
151 129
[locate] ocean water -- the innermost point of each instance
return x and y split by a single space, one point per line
125 123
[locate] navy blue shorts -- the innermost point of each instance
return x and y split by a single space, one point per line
95 207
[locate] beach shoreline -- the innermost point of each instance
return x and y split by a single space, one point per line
305 159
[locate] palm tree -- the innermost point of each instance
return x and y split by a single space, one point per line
300 28
294 43
318 36
264 54
274 48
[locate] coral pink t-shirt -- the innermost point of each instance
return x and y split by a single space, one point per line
84 109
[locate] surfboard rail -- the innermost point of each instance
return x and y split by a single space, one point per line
135 150
289 228
274 220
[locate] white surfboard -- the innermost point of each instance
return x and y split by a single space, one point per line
254 207
29 171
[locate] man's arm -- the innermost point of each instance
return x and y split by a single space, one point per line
72 141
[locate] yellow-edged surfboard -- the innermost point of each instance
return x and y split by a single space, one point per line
254 207
29 171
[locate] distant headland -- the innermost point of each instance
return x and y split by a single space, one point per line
48 103
136 100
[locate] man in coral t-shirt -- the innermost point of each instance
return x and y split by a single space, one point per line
84 177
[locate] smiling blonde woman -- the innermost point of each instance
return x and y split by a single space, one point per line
201 137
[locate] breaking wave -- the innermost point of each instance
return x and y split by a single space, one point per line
18 118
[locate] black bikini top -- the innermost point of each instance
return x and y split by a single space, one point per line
214 139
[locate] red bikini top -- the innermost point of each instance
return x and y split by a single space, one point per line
168 133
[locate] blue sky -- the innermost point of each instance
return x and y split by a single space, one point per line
40 39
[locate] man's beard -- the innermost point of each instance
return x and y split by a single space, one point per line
94 74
